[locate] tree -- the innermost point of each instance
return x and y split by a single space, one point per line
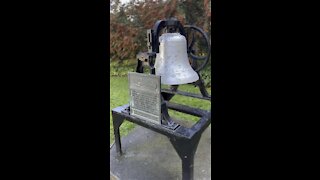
129 22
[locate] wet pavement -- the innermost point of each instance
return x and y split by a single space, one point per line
148 155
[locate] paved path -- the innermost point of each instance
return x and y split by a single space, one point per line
149 155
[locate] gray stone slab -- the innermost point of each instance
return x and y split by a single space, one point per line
150 156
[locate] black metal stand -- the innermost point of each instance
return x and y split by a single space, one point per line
184 140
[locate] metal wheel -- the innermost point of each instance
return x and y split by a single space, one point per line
198 58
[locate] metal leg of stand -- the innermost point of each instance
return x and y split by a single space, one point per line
117 121
186 150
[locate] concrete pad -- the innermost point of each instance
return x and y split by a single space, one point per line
148 155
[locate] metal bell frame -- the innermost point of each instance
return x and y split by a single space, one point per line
184 140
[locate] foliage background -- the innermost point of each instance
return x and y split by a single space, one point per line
129 22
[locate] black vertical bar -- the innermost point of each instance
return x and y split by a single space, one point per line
186 148
187 167
117 121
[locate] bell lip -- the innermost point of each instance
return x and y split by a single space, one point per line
179 82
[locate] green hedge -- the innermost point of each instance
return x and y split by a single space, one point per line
121 69
206 75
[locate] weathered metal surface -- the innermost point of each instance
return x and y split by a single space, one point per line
145 101
172 62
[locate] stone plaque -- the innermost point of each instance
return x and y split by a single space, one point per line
145 101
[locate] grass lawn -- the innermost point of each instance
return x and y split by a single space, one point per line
119 95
